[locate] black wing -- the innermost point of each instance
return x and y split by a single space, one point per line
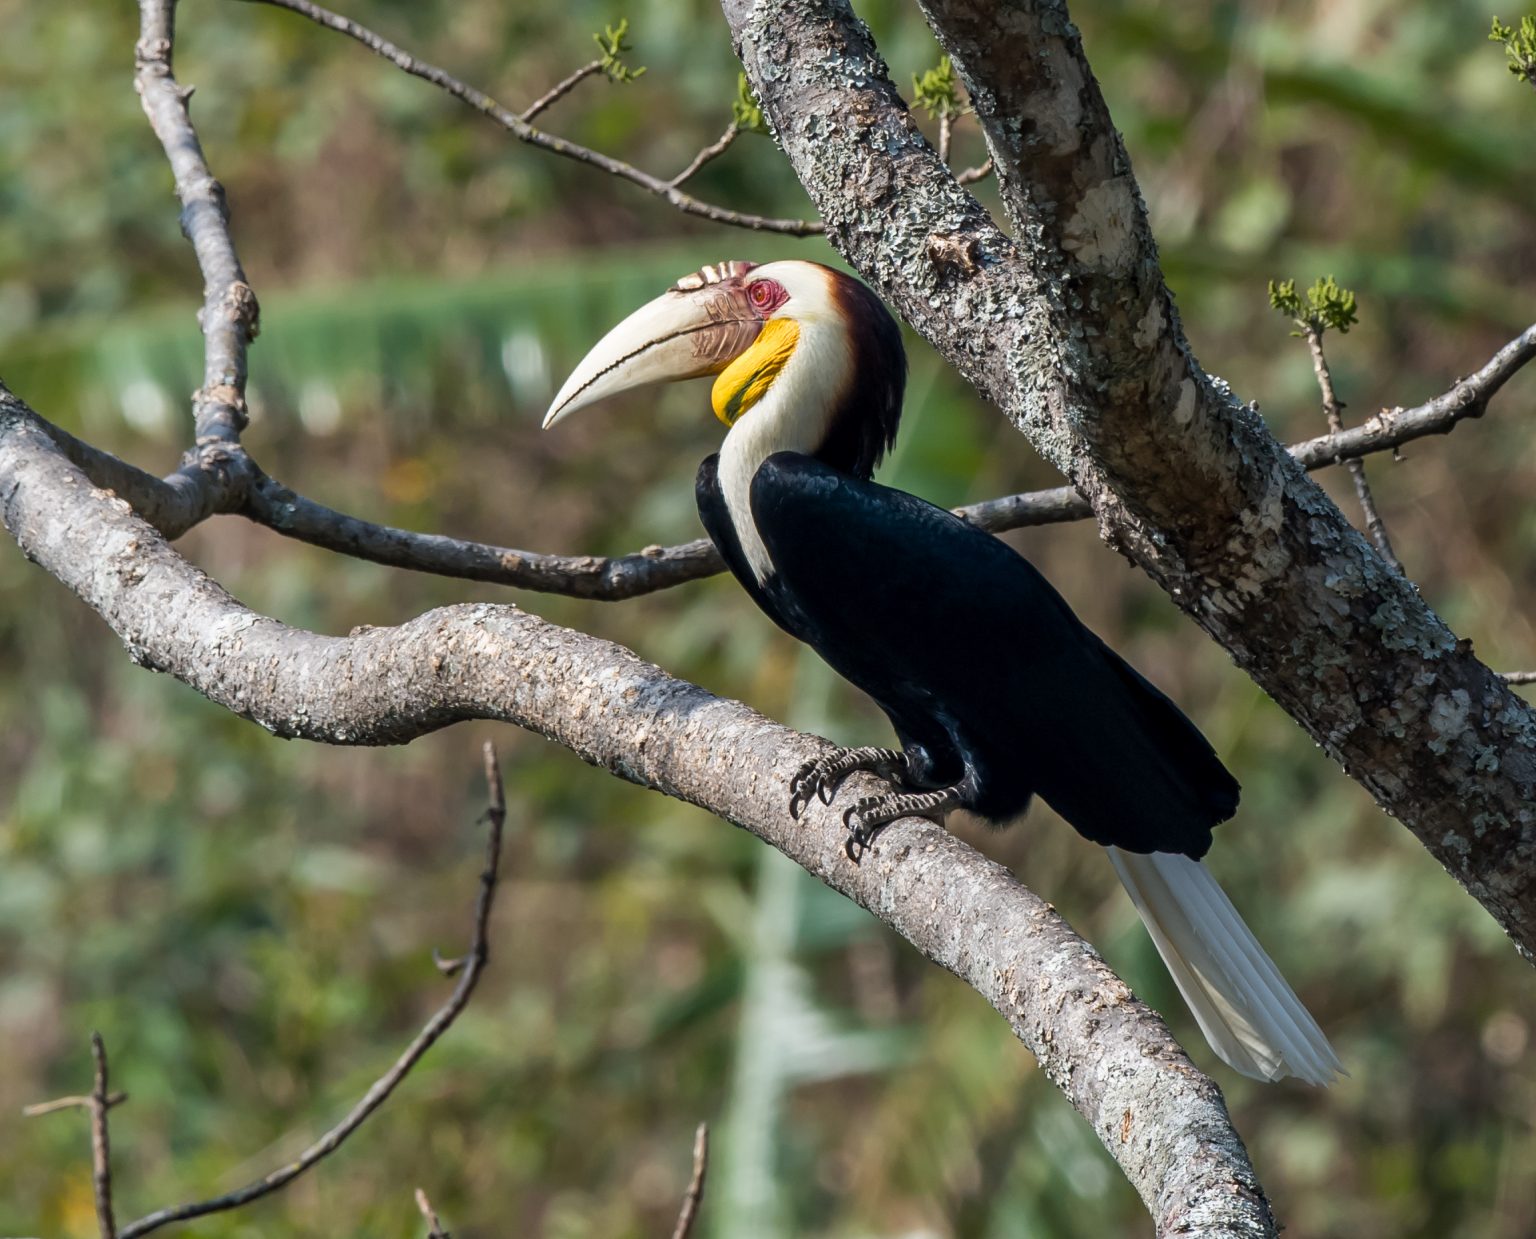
940 621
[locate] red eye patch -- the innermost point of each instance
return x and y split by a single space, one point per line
766 295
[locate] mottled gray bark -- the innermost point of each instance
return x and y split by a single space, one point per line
1072 333
1161 1119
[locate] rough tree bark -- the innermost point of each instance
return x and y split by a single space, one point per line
1071 332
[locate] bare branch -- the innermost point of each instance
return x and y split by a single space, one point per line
1391 428
1354 464
614 578
434 1223
694 1197
559 90
524 132
40 1108
713 151
1105 1050
101 1148
979 173
379 1091
229 316
1518 677
97 1102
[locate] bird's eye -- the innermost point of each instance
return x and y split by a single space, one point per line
766 294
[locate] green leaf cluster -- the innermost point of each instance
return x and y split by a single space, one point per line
1326 306
613 42
1519 46
937 92
746 111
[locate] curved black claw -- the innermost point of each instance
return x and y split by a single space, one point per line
804 787
821 777
872 814
861 834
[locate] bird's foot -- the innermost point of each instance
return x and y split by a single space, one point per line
870 815
820 778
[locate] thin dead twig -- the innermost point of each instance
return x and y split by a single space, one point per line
559 90
473 965
979 173
1518 677
97 1102
694 1196
524 132
434 1223
1356 467
101 1146
713 151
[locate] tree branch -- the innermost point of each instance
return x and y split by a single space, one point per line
559 90
214 474
378 1093
96 1103
1071 332
519 128
230 315
429 1214
101 1146
1356 467
614 578
694 1196
1110 1055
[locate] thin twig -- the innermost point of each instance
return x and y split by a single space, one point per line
97 1102
378 1093
1518 677
971 175
230 315
525 132
559 90
101 1146
946 127
40 1108
1356 467
713 151
694 1196
434 1223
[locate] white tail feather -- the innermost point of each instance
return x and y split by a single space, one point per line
1243 1006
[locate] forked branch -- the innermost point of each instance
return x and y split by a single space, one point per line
473 965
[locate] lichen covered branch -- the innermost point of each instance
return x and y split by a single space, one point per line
1071 332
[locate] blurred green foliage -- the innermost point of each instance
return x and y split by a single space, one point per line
249 922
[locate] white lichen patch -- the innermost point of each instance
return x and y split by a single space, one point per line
1448 718
1184 409
1102 231
1150 327
1056 112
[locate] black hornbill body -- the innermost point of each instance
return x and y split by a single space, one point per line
997 691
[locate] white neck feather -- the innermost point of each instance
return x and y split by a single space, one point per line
792 416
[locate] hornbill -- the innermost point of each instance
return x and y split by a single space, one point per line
996 690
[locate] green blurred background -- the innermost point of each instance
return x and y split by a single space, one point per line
249 922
